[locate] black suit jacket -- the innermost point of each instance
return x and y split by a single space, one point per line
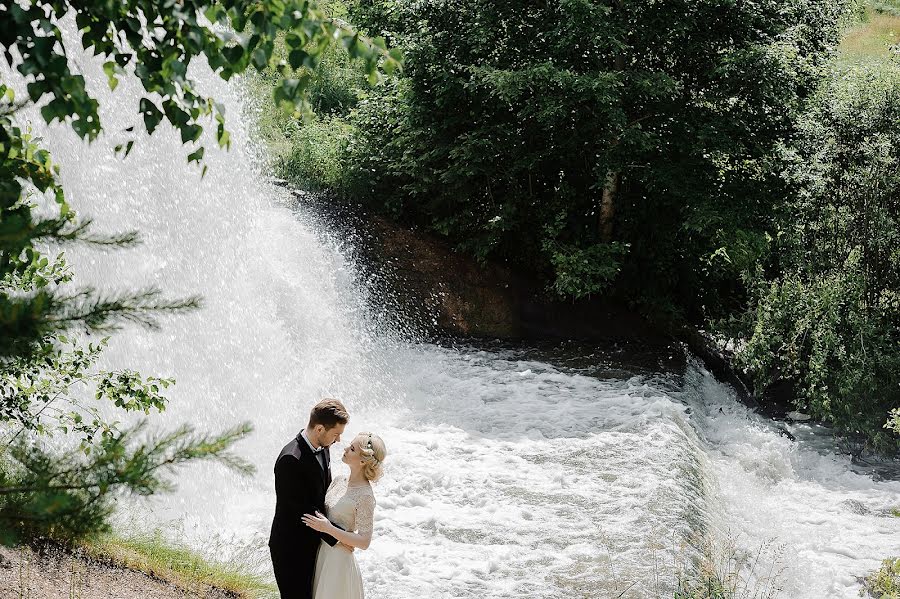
300 485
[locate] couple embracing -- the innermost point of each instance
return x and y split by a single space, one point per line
319 522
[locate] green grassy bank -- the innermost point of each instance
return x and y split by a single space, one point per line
133 566
876 38
155 556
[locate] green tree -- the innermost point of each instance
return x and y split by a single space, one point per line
619 146
825 312
46 372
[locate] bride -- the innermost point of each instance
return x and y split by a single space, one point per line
350 504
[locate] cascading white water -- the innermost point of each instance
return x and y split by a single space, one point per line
508 476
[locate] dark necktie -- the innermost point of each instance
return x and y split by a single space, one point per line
320 457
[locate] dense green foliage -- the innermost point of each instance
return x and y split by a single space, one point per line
601 145
885 582
310 152
232 35
49 384
827 314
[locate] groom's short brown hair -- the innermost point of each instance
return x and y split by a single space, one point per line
329 413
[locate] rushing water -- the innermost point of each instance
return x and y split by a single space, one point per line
512 473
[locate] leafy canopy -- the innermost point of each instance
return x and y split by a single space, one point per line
618 147
159 40
825 309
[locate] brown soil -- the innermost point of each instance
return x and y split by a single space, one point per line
52 574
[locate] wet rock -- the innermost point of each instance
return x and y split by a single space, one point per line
857 507
798 416
452 290
463 296
786 433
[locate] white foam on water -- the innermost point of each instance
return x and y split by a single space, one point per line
507 476
830 522
543 485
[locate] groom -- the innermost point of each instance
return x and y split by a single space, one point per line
302 475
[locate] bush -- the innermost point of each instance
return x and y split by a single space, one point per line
309 150
884 583
826 310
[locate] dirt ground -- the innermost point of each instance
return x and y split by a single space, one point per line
25 574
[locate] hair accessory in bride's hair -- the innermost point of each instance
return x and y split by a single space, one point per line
370 448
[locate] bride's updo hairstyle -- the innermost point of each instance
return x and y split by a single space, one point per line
372 453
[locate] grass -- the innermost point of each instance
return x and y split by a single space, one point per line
873 38
161 559
722 571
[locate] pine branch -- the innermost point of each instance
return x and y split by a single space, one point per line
137 469
45 493
80 232
63 229
27 320
99 313
181 446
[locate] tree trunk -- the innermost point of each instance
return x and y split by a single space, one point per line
613 177
608 205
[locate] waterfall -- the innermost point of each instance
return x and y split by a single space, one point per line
508 475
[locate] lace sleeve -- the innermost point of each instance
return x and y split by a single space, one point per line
365 513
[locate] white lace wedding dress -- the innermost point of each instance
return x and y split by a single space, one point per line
352 508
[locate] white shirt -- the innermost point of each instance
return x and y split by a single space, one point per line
320 453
